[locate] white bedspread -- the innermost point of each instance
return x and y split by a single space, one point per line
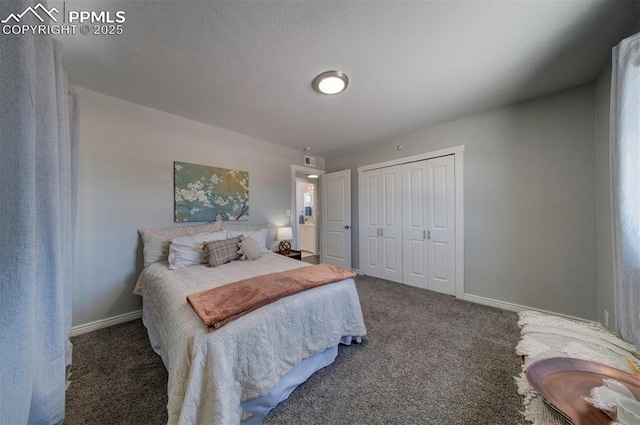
211 373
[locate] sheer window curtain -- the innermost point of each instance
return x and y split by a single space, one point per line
625 168
38 151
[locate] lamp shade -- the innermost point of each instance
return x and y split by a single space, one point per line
284 234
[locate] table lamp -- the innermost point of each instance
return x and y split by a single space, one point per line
284 235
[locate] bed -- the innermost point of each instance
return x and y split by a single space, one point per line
239 372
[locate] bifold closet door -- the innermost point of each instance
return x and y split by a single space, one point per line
381 235
414 224
441 230
391 234
407 225
370 224
428 213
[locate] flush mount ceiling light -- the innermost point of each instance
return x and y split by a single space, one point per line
330 82
312 176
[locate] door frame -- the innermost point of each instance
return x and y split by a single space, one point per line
458 154
293 215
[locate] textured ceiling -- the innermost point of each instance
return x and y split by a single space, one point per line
247 66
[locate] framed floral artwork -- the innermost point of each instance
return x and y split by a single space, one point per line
203 193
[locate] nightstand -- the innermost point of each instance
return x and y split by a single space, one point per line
296 255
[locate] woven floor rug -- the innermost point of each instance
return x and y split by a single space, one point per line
545 336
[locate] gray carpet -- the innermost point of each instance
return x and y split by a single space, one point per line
427 359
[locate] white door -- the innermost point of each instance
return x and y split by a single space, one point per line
381 223
441 224
391 221
370 226
414 223
336 218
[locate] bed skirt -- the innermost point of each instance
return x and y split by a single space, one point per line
260 406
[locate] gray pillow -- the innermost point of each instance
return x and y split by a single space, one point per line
249 249
155 242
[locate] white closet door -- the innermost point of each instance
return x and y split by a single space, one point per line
414 223
390 213
381 223
369 188
441 224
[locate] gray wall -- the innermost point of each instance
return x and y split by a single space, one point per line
530 203
126 183
603 199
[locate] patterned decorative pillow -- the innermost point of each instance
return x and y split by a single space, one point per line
222 252
249 249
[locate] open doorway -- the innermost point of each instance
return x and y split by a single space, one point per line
305 212
307 216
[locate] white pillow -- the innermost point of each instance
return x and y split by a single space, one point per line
188 250
259 235
242 226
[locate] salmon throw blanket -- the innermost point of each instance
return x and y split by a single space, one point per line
218 306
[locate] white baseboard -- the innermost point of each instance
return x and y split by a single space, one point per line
105 323
514 307
356 271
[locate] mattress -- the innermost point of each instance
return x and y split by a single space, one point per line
212 374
